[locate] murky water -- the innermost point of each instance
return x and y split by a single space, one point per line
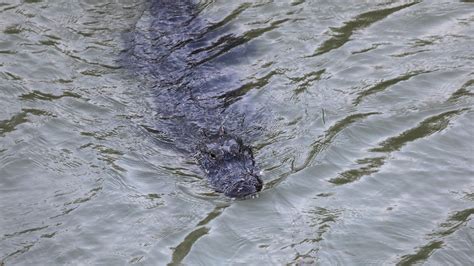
368 146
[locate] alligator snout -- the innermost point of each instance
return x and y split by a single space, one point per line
245 186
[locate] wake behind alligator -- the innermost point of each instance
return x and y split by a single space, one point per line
191 78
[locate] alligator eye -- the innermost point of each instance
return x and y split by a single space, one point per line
213 156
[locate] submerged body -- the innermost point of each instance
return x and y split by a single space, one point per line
174 48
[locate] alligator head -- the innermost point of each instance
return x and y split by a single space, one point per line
229 165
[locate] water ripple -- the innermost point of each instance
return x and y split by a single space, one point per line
10 125
183 248
383 85
229 42
371 165
453 224
343 34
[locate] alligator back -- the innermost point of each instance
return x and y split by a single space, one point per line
172 46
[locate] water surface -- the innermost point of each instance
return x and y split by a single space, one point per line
367 151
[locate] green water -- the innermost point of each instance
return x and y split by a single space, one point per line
368 153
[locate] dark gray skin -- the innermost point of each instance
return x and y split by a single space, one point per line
229 165
185 60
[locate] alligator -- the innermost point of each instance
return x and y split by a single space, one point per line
192 85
